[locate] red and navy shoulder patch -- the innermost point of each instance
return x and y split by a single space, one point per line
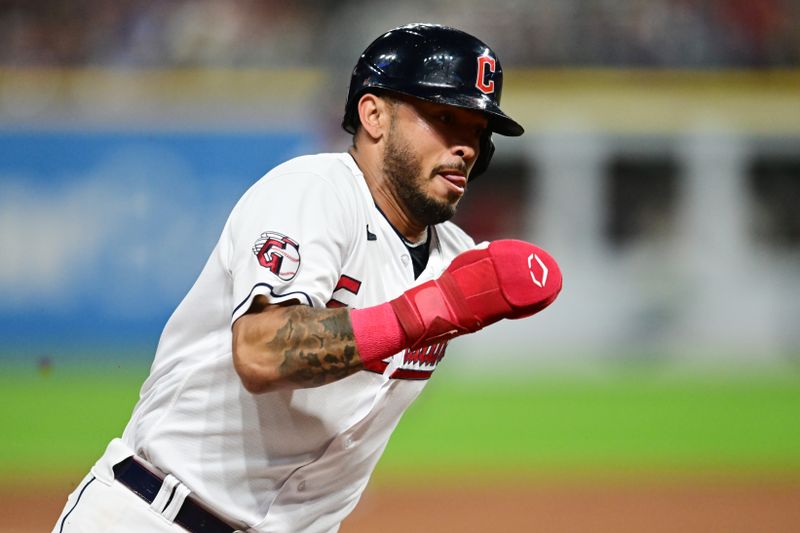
278 253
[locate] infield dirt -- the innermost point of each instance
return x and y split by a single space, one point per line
658 506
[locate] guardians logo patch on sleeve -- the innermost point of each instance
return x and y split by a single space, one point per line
278 253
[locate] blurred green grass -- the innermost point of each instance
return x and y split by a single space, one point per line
619 425
57 423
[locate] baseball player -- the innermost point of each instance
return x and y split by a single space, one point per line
323 310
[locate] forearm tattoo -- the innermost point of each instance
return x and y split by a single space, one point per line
317 345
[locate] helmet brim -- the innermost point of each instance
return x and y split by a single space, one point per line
499 122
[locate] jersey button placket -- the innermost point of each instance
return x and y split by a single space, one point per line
405 260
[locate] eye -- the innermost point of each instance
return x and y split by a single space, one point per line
445 117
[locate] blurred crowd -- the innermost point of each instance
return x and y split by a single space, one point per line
267 33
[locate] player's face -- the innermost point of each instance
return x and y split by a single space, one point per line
430 150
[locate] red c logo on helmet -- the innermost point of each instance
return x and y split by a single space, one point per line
485 63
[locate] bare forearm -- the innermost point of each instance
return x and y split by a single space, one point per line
294 347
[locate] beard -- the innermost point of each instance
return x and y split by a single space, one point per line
403 169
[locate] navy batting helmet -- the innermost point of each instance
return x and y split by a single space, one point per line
438 64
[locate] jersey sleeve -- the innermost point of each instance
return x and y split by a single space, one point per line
287 239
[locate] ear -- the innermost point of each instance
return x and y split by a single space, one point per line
374 114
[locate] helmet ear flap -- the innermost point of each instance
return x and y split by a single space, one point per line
350 119
484 157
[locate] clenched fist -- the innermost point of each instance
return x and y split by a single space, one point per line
506 279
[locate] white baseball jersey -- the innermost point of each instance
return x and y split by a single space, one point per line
294 460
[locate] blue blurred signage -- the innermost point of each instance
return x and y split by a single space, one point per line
103 232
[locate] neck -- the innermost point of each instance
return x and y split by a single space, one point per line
386 198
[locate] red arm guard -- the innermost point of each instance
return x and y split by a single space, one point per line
507 279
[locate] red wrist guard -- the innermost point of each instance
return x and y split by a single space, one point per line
377 332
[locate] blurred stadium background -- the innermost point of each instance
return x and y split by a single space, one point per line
661 165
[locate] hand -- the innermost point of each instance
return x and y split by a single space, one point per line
507 279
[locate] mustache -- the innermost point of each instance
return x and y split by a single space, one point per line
459 166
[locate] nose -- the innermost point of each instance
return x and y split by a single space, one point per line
467 151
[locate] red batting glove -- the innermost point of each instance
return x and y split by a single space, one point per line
508 279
